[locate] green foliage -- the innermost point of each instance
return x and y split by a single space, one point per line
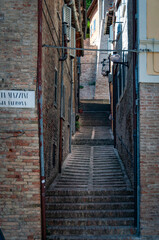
81 87
77 125
88 29
88 3
88 23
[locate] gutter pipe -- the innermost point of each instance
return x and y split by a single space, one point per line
62 59
138 127
71 106
134 114
40 112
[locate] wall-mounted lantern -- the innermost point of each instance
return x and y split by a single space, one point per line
117 60
105 71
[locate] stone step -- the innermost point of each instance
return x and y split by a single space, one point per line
91 106
91 230
89 199
94 119
92 142
89 213
95 180
86 193
72 186
90 206
90 237
91 222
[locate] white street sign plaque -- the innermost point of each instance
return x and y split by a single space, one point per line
17 99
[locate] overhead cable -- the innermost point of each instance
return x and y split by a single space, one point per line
101 50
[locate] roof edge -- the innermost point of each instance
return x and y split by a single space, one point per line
91 7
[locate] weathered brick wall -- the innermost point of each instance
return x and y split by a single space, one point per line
124 125
88 72
149 159
66 126
124 110
52 34
19 143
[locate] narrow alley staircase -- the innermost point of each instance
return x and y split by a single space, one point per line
92 198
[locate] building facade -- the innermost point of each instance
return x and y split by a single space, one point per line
38 103
134 82
96 15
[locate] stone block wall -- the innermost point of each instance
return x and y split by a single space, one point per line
149 159
20 211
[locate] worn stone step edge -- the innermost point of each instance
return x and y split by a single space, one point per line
91 230
90 206
73 199
92 142
88 237
90 222
89 213
90 193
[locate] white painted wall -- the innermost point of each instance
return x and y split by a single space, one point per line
145 43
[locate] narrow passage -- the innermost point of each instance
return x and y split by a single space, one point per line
92 198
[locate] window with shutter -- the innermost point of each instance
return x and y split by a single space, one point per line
67 19
73 42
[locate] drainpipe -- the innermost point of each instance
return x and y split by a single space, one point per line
61 118
137 118
138 131
114 105
71 105
62 59
134 114
78 73
40 112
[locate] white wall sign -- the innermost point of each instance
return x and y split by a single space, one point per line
17 99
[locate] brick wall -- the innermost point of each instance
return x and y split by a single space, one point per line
124 109
52 35
88 72
19 143
124 125
51 66
149 159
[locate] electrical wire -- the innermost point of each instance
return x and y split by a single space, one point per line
101 50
